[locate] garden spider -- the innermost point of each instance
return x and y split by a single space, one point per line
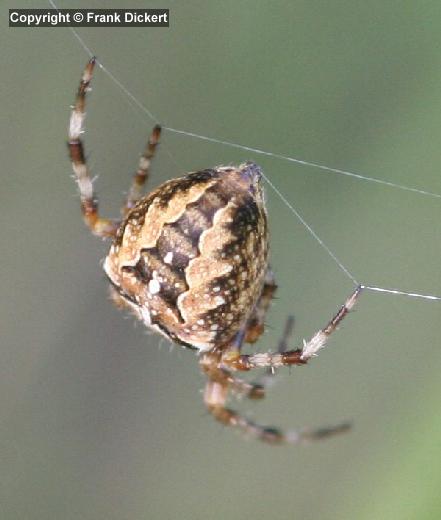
190 260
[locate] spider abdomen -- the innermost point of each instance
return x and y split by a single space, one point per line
190 258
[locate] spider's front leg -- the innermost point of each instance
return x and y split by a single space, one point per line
242 362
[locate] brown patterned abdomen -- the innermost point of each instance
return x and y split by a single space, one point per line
191 257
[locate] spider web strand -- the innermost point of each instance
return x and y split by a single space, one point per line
311 231
401 293
302 162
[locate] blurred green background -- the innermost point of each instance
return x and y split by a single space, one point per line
101 420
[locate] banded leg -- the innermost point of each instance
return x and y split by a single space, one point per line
215 398
216 391
99 226
210 365
142 173
243 362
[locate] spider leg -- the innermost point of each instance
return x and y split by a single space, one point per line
216 390
215 398
243 362
256 322
268 376
99 226
142 173
210 365
250 333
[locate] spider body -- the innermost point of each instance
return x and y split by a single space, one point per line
190 260
191 257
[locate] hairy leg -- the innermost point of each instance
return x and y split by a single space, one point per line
243 362
99 226
215 398
217 389
142 173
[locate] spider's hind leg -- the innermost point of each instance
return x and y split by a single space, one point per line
99 226
143 171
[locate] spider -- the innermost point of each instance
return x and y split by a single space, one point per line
190 259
